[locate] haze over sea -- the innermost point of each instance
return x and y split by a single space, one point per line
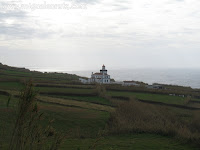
183 77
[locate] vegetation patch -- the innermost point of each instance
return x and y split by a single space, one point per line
136 117
153 97
127 142
91 99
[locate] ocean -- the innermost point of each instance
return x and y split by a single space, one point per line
182 77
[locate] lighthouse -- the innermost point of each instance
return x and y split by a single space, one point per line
103 70
99 77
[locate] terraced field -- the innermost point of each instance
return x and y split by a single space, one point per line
83 123
84 112
151 97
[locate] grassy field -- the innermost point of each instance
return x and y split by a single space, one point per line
128 142
84 117
144 96
83 124
66 90
79 122
73 103
11 85
152 97
91 99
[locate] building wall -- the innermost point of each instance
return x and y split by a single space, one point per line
100 78
83 80
105 79
130 84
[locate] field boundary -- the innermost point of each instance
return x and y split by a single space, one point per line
65 105
171 105
83 101
141 100
67 94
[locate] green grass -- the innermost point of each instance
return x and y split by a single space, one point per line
152 97
77 121
8 73
84 124
7 117
183 114
11 85
92 99
24 72
66 90
128 142
196 99
12 72
18 86
4 100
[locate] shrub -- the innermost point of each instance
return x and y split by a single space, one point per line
136 117
28 132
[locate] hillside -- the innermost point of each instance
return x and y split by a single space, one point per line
8 73
103 116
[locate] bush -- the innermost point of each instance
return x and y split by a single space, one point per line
136 117
28 132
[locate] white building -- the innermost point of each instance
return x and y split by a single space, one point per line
155 86
130 83
99 77
83 80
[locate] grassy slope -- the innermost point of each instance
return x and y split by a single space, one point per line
8 73
84 123
66 90
91 99
153 97
128 142
87 119
67 102
11 85
81 122
145 96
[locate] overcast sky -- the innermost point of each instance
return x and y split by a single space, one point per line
84 34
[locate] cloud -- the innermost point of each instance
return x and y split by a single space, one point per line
17 24
13 14
86 1
19 31
15 30
107 30
180 0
